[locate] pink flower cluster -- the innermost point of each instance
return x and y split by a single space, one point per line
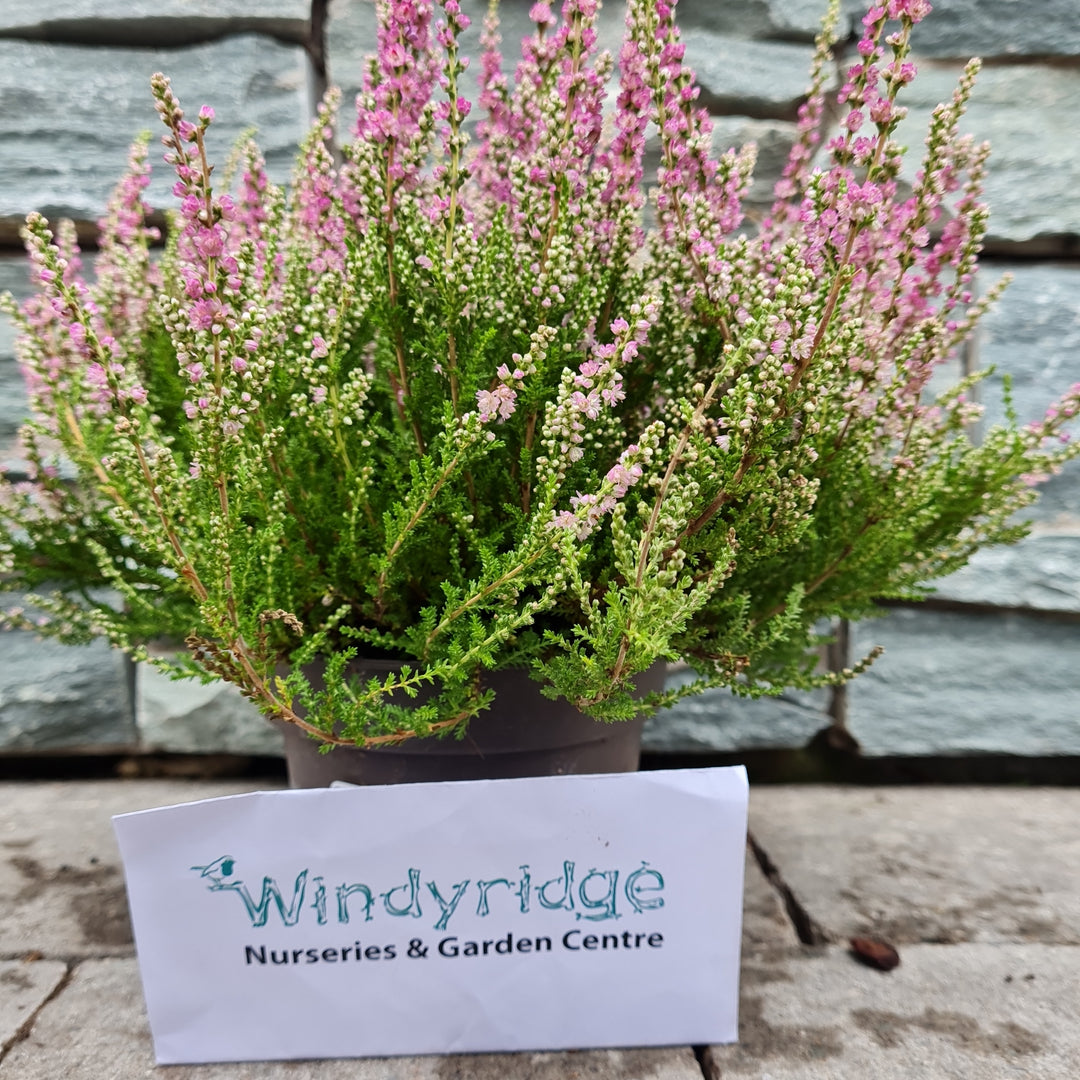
588 510
396 94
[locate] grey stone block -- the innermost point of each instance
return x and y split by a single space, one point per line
762 79
718 721
167 23
996 1012
56 696
967 684
1041 572
1000 28
25 985
791 20
924 864
350 38
186 716
13 405
1033 337
955 28
774 139
61 883
14 278
1027 112
68 115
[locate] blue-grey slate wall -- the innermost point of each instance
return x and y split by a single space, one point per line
993 665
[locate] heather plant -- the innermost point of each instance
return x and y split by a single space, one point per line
473 394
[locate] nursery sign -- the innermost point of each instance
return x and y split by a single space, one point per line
534 914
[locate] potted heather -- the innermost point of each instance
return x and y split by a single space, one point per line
474 399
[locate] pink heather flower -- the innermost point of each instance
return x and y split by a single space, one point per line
499 402
612 395
97 377
209 243
587 404
205 314
318 346
506 375
622 477
915 10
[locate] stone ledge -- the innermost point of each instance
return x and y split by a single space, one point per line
165 24
1039 574
760 79
68 115
952 684
61 696
186 716
719 721
1027 113
1002 29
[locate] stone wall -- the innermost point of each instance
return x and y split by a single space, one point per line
990 665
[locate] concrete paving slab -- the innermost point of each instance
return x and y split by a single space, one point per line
97 1028
25 985
995 1012
946 865
61 884
765 923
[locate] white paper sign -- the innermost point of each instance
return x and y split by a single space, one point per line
535 914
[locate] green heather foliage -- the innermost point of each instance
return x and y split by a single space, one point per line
483 397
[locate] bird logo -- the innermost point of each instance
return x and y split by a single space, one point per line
217 871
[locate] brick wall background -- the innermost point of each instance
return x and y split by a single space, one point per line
991 665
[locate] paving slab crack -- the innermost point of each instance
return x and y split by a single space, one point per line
701 1054
710 1067
27 1026
808 929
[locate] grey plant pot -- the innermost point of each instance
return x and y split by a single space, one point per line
522 734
